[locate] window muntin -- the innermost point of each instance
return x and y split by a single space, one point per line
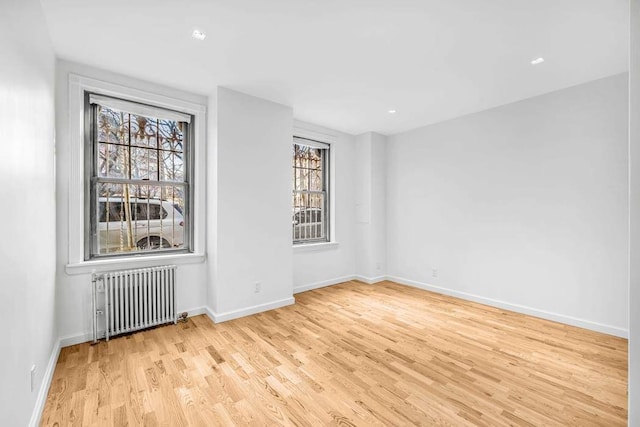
138 186
310 219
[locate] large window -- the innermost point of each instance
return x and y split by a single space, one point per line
138 179
310 191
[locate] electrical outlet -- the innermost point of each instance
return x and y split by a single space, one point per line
258 287
378 266
434 272
33 378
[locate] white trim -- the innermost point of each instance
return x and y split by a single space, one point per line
369 280
332 188
138 108
300 130
321 284
70 340
310 247
36 414
210 314
298 140
98 266
248 311
77 87
195 311
543 314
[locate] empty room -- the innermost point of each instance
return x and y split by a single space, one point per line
319 212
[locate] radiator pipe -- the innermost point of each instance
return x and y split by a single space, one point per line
94 306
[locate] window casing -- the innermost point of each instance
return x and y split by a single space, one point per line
137 179
310 207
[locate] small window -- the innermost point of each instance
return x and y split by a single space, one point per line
138 178
310 219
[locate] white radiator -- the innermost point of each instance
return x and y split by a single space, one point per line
135 299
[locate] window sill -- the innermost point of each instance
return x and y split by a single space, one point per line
311 247
133 262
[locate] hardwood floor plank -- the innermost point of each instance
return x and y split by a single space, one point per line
350 354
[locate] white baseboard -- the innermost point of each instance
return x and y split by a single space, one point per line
338 280
561 318
195 311
247 311
321 284
44 386
369 280
210 314
70 340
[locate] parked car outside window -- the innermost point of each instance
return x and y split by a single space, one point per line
155 224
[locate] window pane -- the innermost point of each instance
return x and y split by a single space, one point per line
171 135
154 210
112 161
102 212
143 131
316 180
112 126
309 217
171 166
156 222
144 164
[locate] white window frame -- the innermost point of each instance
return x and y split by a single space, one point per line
78 85
301 132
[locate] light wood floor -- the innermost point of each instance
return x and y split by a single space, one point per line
351 354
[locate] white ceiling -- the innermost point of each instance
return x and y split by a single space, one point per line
345 63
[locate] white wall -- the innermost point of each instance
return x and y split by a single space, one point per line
525 204
335 263
74 291
212 196
27 257
370 202
634 161
253 206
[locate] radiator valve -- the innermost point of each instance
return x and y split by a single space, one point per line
182 317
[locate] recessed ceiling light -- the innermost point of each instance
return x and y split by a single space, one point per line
198 35
537 61
392 111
